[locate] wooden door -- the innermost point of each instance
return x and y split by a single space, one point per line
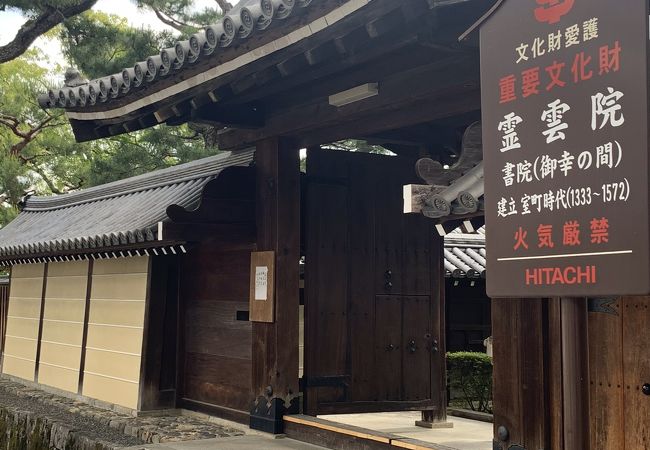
619 361
417 348
372 287
388 348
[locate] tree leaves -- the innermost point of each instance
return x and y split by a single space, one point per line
38 152
179 14
100 44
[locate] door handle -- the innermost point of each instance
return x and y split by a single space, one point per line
388 276
390 347
434 346
646 389
412 346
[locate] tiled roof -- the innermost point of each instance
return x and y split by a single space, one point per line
248 17
465 255
457 191
120 213
463 196
128 211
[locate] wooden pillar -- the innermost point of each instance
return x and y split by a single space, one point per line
275 345
519 400
575 373
437 417
541 397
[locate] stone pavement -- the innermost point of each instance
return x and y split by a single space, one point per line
465 435
248 442
70 420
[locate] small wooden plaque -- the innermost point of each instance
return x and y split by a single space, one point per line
262 287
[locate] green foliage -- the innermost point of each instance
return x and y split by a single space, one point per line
470 375
100 44
38 152
355 145
180 14
134 154
23 122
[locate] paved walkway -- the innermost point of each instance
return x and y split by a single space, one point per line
248 442
193 431
465 435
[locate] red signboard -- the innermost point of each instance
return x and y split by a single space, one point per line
565 142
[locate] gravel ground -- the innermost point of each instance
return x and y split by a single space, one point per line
87 426
98 424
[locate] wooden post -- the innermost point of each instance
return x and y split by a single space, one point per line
40 324
520 404
275 345
575 373
541 374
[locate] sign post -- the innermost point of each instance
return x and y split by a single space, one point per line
565 130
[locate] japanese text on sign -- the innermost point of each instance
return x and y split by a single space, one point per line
565 147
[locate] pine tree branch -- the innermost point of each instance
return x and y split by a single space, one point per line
176 24
224 5
40 25
48 181
25 136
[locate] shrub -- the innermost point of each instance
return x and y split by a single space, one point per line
470 375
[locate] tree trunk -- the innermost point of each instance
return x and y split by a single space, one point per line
34 28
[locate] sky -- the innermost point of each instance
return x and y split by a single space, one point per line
10 22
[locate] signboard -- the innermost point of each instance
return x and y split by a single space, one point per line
261 283
565 138
262 287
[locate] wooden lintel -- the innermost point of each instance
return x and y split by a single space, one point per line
471 225
147 121
325 52
245 116
215 210
197 232
163 114
182 109
434 88
353 57
243 84
293 65
426 110
200 100
117 129
383 25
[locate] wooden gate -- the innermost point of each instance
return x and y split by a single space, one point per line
373 283
619 368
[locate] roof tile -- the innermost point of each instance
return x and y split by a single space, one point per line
119 213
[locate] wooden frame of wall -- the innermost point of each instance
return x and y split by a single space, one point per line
5 292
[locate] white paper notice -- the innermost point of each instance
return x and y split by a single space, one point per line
261 283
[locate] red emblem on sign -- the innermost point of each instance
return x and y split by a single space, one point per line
552 11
